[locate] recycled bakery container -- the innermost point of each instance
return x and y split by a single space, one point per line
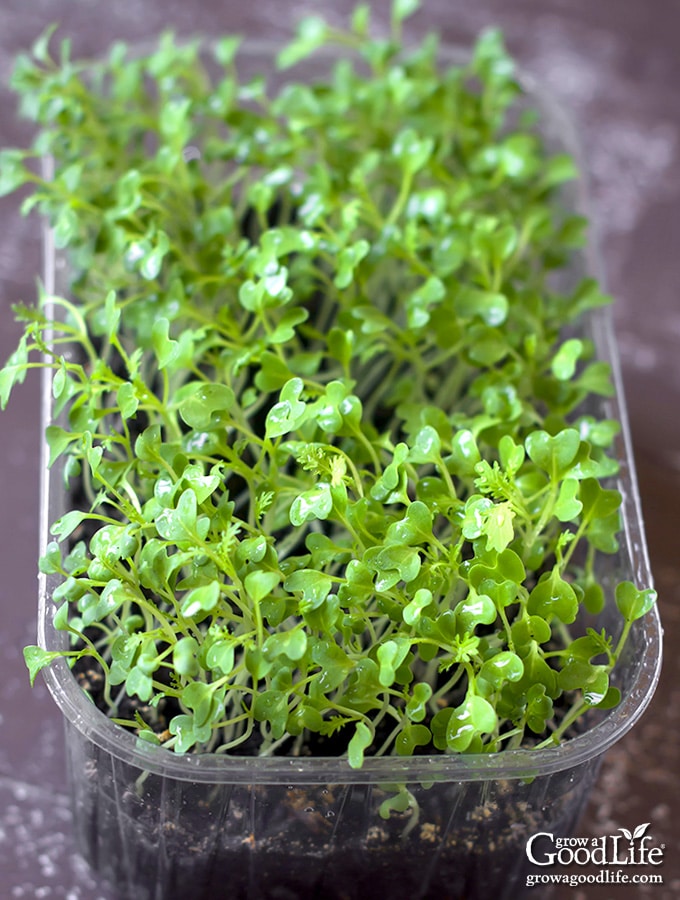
159 826
163 826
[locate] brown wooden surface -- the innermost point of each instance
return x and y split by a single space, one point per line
615 64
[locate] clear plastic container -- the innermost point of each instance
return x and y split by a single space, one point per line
160 826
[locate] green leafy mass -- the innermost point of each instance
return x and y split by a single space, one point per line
339 476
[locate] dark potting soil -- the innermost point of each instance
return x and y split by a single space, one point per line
161 840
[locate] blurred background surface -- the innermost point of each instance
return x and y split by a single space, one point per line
614 65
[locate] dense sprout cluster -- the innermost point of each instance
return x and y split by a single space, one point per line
336 466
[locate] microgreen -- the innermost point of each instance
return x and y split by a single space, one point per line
341 464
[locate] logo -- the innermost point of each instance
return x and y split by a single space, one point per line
630 848
620 857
